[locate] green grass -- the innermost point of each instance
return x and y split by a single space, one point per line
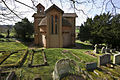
45 72
1 55
11 46
5 34
7 40
53 55
101 75
77 30
13 58
81 54
83 45
4 56
38 58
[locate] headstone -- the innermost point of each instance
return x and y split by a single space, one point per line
104 59
107 50
91 66
116 59
95 50
64 66
113 51
103 50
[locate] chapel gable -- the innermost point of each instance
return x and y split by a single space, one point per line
40 8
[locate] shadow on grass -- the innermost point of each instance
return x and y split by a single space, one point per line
78 45
83 46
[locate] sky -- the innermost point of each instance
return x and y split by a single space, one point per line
89 9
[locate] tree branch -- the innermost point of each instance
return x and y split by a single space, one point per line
24 4
10 9
33 3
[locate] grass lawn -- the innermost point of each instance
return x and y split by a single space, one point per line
38 58
13 58
77 30
11 46
1 55
11 34
4 56
53 55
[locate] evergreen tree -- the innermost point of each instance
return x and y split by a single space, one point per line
24 29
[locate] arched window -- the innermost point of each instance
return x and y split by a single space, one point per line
56 24
40 9
52 29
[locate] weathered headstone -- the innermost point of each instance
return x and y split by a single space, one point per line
91 66
95 50
103 50
104 59
64 66
116 59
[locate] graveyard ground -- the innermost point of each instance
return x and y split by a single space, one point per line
24 72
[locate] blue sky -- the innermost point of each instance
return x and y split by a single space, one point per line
66 7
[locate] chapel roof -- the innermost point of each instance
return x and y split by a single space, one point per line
54 7
70 15
40 5
43 22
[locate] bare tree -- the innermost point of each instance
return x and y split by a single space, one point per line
9 8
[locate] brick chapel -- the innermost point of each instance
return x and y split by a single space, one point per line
53 28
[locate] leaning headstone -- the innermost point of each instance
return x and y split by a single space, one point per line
104 59
103 50
116 59
95 50
91 66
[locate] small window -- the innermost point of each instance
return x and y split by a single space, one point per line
40 9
